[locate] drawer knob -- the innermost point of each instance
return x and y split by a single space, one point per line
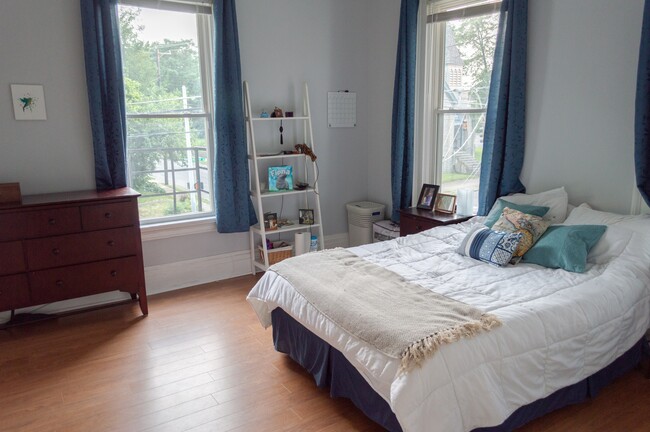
56 251
59 283
419 227
52 221
111 243
108 215
113 273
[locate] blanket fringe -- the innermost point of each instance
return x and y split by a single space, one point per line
420 350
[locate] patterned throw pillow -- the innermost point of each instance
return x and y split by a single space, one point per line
489 246
531 227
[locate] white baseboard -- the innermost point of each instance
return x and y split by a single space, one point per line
183 274
173 276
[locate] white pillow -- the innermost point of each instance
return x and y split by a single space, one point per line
556 200
584 215
620 230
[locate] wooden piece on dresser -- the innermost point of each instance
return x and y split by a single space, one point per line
414 220
61 246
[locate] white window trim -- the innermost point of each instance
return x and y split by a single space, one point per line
162 226
178 228
427 164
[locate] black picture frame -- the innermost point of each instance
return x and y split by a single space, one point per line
427 197
305 216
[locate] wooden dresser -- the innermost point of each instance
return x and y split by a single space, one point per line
60 246
412 220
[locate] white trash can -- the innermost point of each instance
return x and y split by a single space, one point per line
361 215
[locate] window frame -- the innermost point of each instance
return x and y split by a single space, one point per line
429 141
205 32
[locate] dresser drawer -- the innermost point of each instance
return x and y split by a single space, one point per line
81 248
413 225
12 226
14 292
85 279
12 259
50 222
103 216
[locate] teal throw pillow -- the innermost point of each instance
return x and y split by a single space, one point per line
498 207
565 246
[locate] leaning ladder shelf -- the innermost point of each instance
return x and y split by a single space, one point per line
260 197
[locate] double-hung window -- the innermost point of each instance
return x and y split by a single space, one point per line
460 42
167 69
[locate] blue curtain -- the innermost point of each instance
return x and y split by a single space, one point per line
404 109
235 211
101 36
642 119
503 146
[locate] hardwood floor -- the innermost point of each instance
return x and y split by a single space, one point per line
201 361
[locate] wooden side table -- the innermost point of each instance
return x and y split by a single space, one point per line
414 220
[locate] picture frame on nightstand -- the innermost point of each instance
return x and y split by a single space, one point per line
445 203
427 196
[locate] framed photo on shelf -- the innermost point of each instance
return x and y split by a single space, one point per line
445 203
306 216
270 221
427 196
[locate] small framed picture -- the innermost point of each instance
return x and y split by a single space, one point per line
270 221
305 216
445 203
427 196
28 102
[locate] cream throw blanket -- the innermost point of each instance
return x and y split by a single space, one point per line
398 318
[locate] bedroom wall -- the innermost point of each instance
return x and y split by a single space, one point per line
582 60
382 50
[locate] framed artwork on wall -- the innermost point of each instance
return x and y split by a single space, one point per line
28 102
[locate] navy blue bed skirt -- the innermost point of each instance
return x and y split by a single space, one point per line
331 369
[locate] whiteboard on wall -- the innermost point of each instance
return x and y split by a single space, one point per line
341 109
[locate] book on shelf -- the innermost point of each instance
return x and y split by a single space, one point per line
280 178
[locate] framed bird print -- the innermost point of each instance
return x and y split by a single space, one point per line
28 102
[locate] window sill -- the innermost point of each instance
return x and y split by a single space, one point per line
166 230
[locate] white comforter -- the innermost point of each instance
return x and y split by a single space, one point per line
558 328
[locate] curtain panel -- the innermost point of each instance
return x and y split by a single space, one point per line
403 125
101 38
504 143
642 118
234 208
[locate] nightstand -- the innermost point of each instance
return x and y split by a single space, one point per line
413 220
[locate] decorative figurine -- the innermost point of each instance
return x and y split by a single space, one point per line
264 114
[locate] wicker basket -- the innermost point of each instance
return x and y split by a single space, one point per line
277 254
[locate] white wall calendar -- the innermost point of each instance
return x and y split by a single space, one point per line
341 109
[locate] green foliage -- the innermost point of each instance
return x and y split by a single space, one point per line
476 39
154 74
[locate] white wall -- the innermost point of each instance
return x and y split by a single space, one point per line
582 60
41 44
325 43
382 52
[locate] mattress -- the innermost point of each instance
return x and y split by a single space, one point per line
558 328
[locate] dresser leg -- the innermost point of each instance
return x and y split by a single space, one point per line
142 298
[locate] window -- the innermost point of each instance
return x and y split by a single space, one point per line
166 59
460 42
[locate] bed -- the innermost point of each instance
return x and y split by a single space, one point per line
561 331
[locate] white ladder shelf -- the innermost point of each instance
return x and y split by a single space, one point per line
302 161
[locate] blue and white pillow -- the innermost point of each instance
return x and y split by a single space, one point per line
492 247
